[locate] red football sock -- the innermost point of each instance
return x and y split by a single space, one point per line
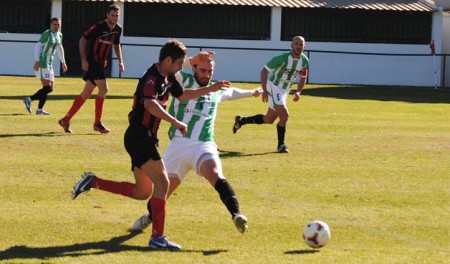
158 216
98 109
77 104
122 188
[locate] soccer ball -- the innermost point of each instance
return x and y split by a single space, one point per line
316 234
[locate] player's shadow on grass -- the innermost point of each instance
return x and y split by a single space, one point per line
92 248
308 251
46 134
223 154
62 97
14 114
382 93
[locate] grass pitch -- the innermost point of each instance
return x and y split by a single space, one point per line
372 162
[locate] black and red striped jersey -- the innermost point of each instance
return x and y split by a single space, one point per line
100 39
152 85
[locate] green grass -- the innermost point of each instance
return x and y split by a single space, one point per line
372 162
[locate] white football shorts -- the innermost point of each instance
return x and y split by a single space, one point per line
277 95
45 74
183 155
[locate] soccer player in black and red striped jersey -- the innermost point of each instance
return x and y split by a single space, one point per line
95 47
141 138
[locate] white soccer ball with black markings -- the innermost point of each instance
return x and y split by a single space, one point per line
316 234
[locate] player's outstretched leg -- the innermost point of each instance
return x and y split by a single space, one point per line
84 184
239 121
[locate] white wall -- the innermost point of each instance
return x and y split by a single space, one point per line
17 54
237 64
446 46
17 50
245 65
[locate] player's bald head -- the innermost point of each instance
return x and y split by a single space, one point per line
298 38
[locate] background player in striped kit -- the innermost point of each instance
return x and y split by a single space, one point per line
44 55
197 150
283 69
95 47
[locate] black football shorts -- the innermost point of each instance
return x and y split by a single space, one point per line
141 145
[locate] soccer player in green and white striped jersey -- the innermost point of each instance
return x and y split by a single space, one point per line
283 70
49 43
196 150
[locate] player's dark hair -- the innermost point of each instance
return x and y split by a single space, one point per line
173 49
54 19
112 7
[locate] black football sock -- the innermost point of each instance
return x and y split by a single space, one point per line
227 196
256 119
38 94
43 99
281 131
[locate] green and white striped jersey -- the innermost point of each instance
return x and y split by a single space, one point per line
49 42
200 113
284 69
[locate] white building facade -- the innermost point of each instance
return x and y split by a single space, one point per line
242 60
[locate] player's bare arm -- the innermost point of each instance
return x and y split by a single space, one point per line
118 51
301 84
82 47
152 106
265 94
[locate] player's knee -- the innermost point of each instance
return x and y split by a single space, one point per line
142 194
268 120
48 89
213 177
103 87
162 184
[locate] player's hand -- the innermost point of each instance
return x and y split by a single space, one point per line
296 96
84 65
36 66
257 92
182 127
265 96
202 56
64 67
220 85
121 67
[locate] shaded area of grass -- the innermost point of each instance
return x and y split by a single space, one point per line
114 245
382 93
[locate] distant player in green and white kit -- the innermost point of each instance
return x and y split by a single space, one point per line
284 69
44 54
197 150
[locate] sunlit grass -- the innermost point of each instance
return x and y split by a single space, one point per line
372 162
